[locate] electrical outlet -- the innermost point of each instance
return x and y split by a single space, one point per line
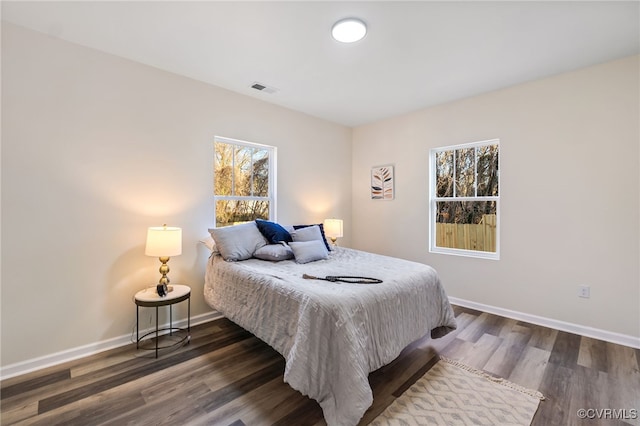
584 291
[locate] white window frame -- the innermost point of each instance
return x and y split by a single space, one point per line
433 199
271 198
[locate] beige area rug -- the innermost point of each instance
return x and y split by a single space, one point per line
452 393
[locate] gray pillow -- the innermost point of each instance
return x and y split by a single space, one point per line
275 252
238 242
309 251
309 233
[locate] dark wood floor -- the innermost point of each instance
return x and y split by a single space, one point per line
226 376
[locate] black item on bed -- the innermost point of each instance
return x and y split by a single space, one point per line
344 279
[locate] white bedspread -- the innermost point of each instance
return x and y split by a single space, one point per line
332 335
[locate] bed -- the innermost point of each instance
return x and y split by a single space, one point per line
331 334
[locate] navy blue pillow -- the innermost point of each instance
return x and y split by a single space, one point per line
321 231
273 232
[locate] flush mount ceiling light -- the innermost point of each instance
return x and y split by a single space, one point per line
349 30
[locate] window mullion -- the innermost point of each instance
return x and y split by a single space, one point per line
455 177
481 198
242 197
475 171
251 174
233 169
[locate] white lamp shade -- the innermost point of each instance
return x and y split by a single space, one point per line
163 241
333 228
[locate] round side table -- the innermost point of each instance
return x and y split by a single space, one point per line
149 298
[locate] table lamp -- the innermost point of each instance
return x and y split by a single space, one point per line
163 242
333 229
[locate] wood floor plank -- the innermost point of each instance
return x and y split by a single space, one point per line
221 396
530 367
555 386
456 349
264 405
593 354
476 329
565 350
308 413
621 360
35 383
481 351
588 390
93 410
279 411
18 413
624 394
179 409
504 359
508 326
223 377
495 325
541 337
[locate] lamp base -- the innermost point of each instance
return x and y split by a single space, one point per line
161 289
164 280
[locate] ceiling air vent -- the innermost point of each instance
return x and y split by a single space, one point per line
263 88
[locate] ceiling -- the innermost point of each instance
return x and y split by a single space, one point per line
417 54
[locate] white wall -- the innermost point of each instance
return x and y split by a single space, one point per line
569 203
95 149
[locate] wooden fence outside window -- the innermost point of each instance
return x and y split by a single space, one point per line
468 236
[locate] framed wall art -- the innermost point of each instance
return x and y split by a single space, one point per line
382 183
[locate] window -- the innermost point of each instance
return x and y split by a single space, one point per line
465 200
244 182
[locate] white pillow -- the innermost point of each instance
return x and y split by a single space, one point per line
275 252
209 242
309 251
238 242
310 233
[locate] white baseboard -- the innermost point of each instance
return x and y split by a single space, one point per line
595 333
34 364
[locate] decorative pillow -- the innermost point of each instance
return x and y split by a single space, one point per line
273 232
309 233
238 242
309 251
210 243
319 225
275 252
